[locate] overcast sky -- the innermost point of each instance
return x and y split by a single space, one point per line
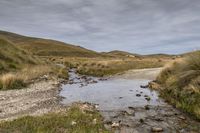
138 26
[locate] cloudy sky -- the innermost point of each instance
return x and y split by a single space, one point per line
138 26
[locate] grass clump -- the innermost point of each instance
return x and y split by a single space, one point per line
72 121
11 81
27 75
181 84
63 73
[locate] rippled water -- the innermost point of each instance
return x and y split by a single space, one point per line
115 93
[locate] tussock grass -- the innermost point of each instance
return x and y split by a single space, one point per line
181 83
72 121
21 78
11 81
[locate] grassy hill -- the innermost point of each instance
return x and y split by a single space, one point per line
11 57
46 47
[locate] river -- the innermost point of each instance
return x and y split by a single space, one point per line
125 104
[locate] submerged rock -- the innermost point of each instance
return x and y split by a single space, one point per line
144 86
138 95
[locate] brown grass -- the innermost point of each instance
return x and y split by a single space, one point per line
28 74
181 83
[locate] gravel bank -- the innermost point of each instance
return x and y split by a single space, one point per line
37 99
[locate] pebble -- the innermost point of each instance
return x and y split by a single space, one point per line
143 86
73 123
147 107
156 129
148 98
130 112
115 125
182 117
94 121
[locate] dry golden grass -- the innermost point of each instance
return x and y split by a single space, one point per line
11 81
33 72
21 78
181 83
109 66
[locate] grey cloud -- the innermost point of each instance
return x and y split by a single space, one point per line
141 26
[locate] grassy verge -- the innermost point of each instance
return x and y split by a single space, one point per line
73 120
181 84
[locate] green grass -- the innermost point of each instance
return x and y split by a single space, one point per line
181 84
13 58
61 122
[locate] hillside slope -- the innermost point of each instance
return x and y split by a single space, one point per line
12 57
46 47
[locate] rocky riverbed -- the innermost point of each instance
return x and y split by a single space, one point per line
127 105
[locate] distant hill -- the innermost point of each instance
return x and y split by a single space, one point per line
123 54
117 53
47 47
11 57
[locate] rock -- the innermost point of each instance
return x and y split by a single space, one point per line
130 112
147 107
144 86
96 106
120 97
182 117
94 121
148 98
156 129
138 95
73 123
115 125
141 121
94 81
131 108
159 119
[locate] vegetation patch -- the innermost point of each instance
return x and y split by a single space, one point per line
181 84
74 120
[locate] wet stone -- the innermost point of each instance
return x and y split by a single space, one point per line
138 95
148 98
147 107
143 86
